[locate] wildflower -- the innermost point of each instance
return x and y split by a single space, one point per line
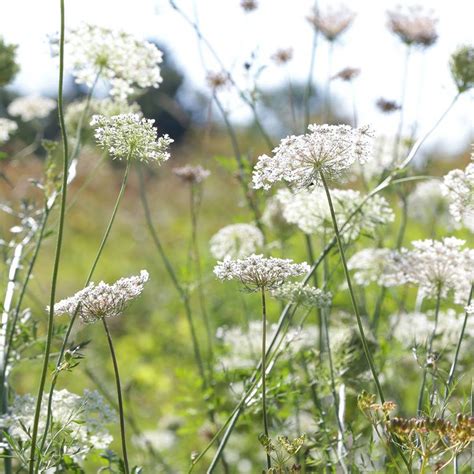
102 300
127 136
79 422
382 159
458 187
326 149
7 127
436 267
462 68
282 56
305 295
192 174
309 210
414 26
248 5
236 241
426 203
387 106
31 107
258 272
371 266
217 80
117 56
273 218
347 74
8 65
333 22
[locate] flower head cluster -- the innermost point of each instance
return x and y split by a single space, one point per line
128 136
426 203
436 266
273 218
7 127
372 266
236 241
258 272
79 422
347 74
192 174
413 26
333 22
462 68
458 187
387 106
305 295
117 56
248 5
310 211
326 149
31 107
8 65
282 56
102 300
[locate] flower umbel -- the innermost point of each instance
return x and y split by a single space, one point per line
192 174
31 107
102 300
7 127
128 136
333 22
236 241
258 272
295 292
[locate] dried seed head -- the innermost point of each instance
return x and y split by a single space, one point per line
347 74
462 68
192 174
282 56
387 106
333 22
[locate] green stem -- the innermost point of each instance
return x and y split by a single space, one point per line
309 81
119 396
264 369
34 434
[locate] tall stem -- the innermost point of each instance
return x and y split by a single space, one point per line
264 369
309 81
328 83
47 350
351 290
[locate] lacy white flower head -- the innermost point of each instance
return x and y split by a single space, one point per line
458 187
414 26
427 204
416 328
192 174
372 266
326 149
79 425
236 241
102 300
31 107
124 61
128 136
309 210
333 22
258 272
306 295
436 266
7 127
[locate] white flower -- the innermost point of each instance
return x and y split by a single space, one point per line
79 423
31 107
381 161
372 266
192 174
298 160
306 295
333 22
258 272
458 186
309 210
7 127
434 266
236 241
121 59
426 204
128 136
102 300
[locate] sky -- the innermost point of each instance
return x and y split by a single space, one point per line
235 35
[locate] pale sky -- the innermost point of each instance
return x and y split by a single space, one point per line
276 24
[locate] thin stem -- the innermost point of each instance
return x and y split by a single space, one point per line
119 396
351 291
57 257
328 83
264 368
309 81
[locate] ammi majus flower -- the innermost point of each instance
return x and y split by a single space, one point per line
7 127
236 241
31 107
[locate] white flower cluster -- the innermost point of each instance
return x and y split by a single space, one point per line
326 149
309 210
305 295
434 266
381 160
192 174
236 241
333 22
7 127
243 347
417 328
258 272
102 300
426 204
79 422
128 136
372 266
31 107
458 186
120 58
